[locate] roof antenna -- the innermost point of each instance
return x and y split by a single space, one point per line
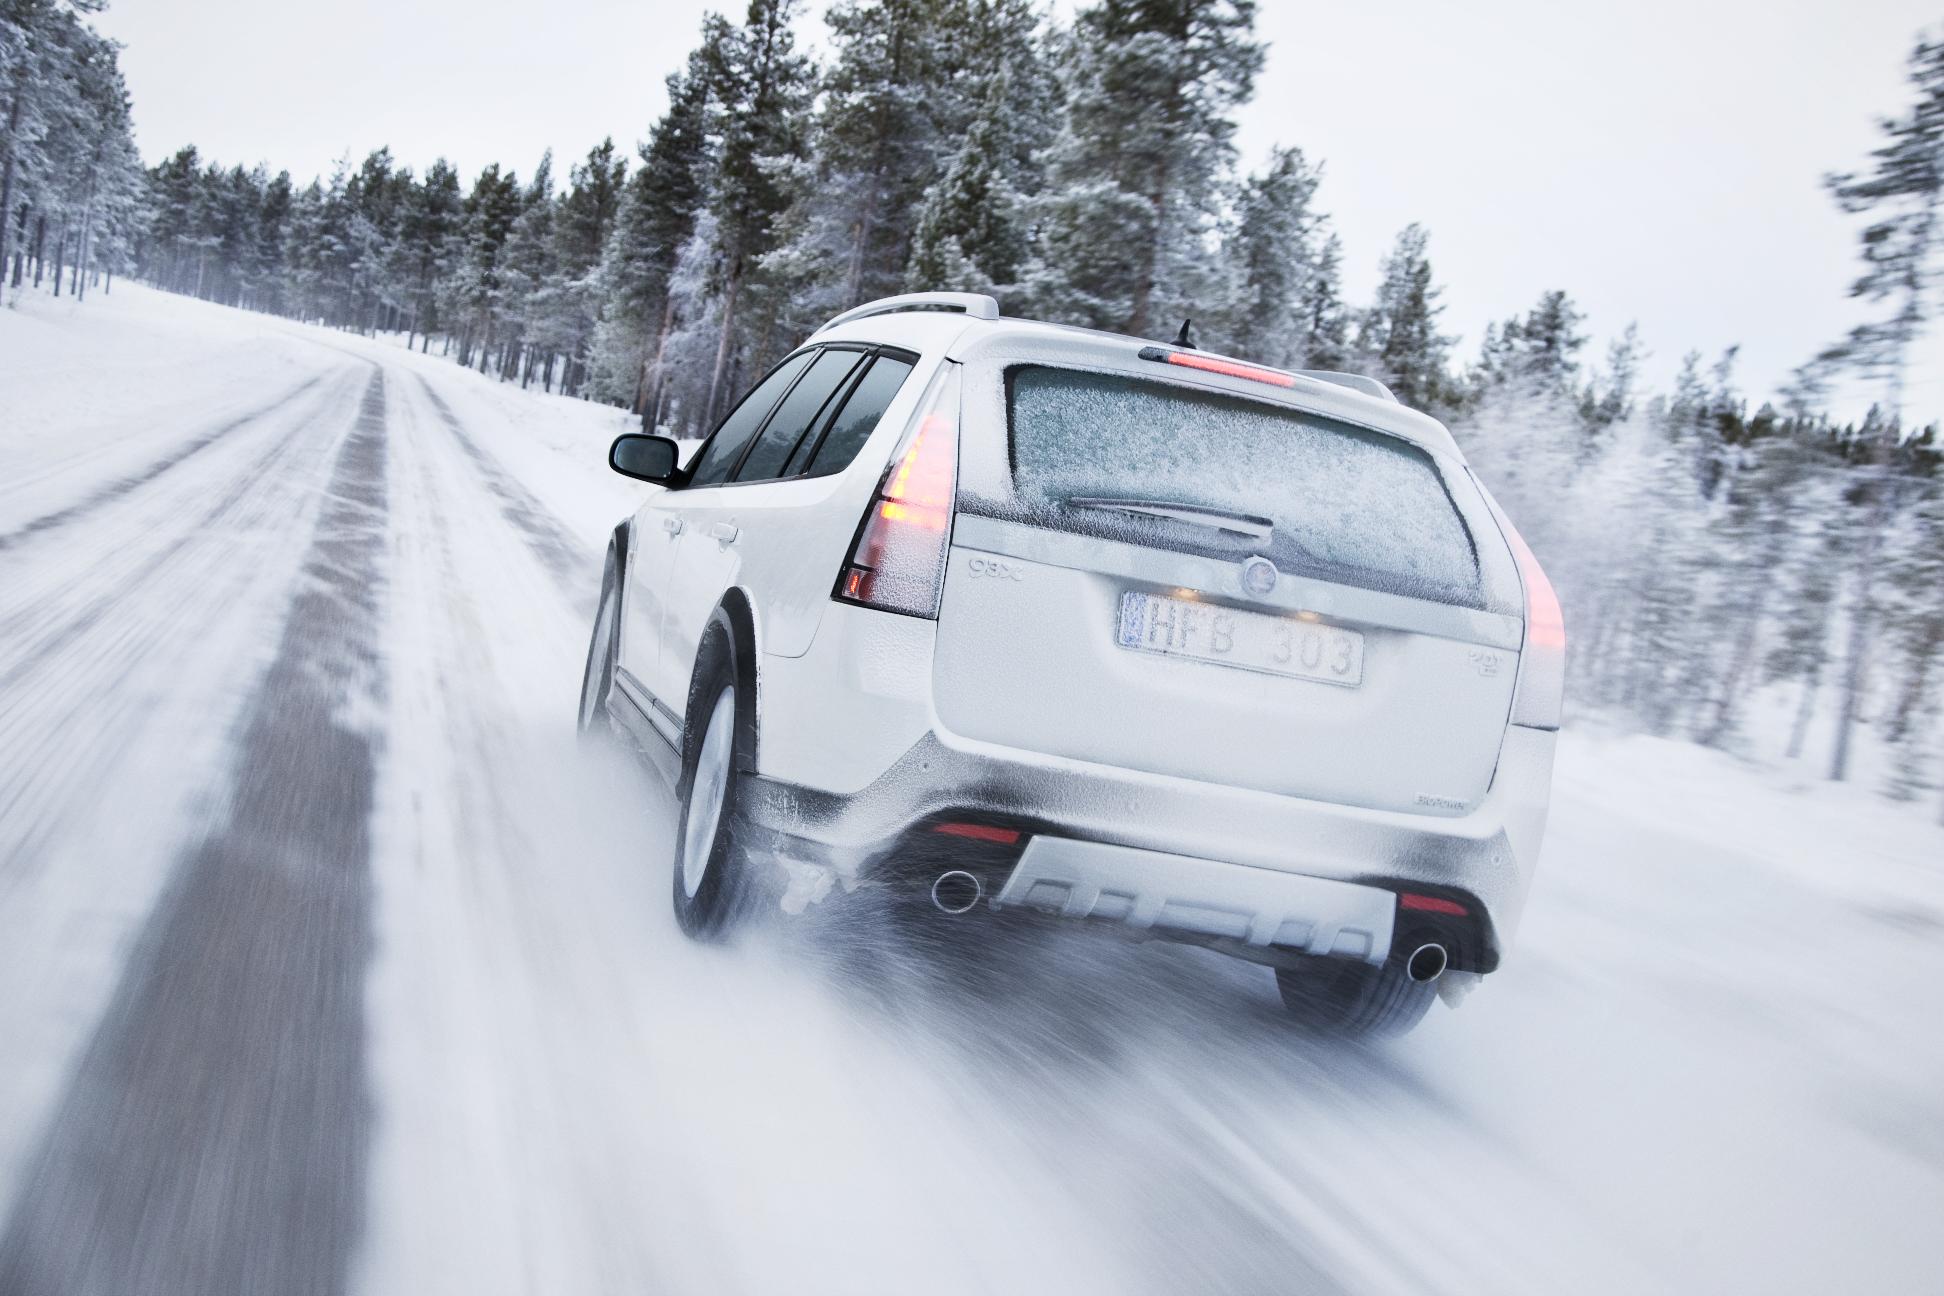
1185 339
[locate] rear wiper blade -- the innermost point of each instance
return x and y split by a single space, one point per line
1242 524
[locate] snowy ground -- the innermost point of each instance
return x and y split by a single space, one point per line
327 961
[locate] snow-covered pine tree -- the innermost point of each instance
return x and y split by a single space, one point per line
429 234
1903 195
656 217
970 232
1137 178
1401 332
1325 318
878 141
491 207
760 90
526 269
564 318
1610 395
1272 253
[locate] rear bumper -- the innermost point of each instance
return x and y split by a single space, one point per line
1167 853
1150 890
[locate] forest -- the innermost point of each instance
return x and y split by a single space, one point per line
1739 570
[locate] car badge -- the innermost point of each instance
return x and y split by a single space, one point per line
1258 575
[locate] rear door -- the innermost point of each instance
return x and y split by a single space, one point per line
772 526
1177 579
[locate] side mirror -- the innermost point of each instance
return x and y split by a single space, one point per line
650 458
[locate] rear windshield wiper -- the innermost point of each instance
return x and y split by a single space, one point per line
1242 524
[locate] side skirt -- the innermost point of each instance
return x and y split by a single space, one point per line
630 713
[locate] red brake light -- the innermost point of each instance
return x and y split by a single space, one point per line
1539 699
1545 623
1430 904
979 832
897 562
1215 364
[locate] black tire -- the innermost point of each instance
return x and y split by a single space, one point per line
597 680
726 893
1345 997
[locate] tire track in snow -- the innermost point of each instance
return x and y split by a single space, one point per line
214 1136
564 557
112 490
52 643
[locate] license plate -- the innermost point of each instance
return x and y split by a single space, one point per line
1274 645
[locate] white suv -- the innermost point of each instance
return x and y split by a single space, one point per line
1040 618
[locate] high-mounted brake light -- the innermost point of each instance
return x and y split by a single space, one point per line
897 562
979 832
1215 364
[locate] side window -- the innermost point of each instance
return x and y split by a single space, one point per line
855 422
718 457
796 415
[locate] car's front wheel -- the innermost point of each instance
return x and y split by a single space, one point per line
1336 996
712 885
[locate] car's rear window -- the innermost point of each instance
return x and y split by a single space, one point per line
1347 504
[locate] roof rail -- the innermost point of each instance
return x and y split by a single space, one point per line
1355 382
976 305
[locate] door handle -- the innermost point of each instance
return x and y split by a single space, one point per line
724 532
672 525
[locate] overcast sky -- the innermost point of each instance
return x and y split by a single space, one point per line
1658 159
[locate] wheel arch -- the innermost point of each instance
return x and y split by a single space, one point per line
618 546
740 614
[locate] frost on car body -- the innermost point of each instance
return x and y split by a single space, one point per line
1039 618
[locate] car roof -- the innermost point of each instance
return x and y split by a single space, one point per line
935 328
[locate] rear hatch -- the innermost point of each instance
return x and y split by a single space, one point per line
1183 580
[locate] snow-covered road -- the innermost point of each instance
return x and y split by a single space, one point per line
328 960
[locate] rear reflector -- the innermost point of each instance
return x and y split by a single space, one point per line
1214 364
1430 904
979 832
897 562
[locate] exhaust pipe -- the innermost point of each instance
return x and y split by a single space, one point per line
956 891
1427 962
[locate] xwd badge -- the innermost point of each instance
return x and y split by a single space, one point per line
1258 575
995 569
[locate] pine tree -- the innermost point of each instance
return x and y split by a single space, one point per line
1401 330
429 233
1273 254
656 216
1136 178
565 318
1610 397
1902 194
1325 318
490 210
970 234
759 89
526 267
878 144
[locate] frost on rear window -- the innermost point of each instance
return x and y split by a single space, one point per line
1347 504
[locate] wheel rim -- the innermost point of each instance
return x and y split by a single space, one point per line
707 791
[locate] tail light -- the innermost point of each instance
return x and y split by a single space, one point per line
1542 667
897 562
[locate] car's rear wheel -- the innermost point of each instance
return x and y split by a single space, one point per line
712 884
598 678
1336 996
